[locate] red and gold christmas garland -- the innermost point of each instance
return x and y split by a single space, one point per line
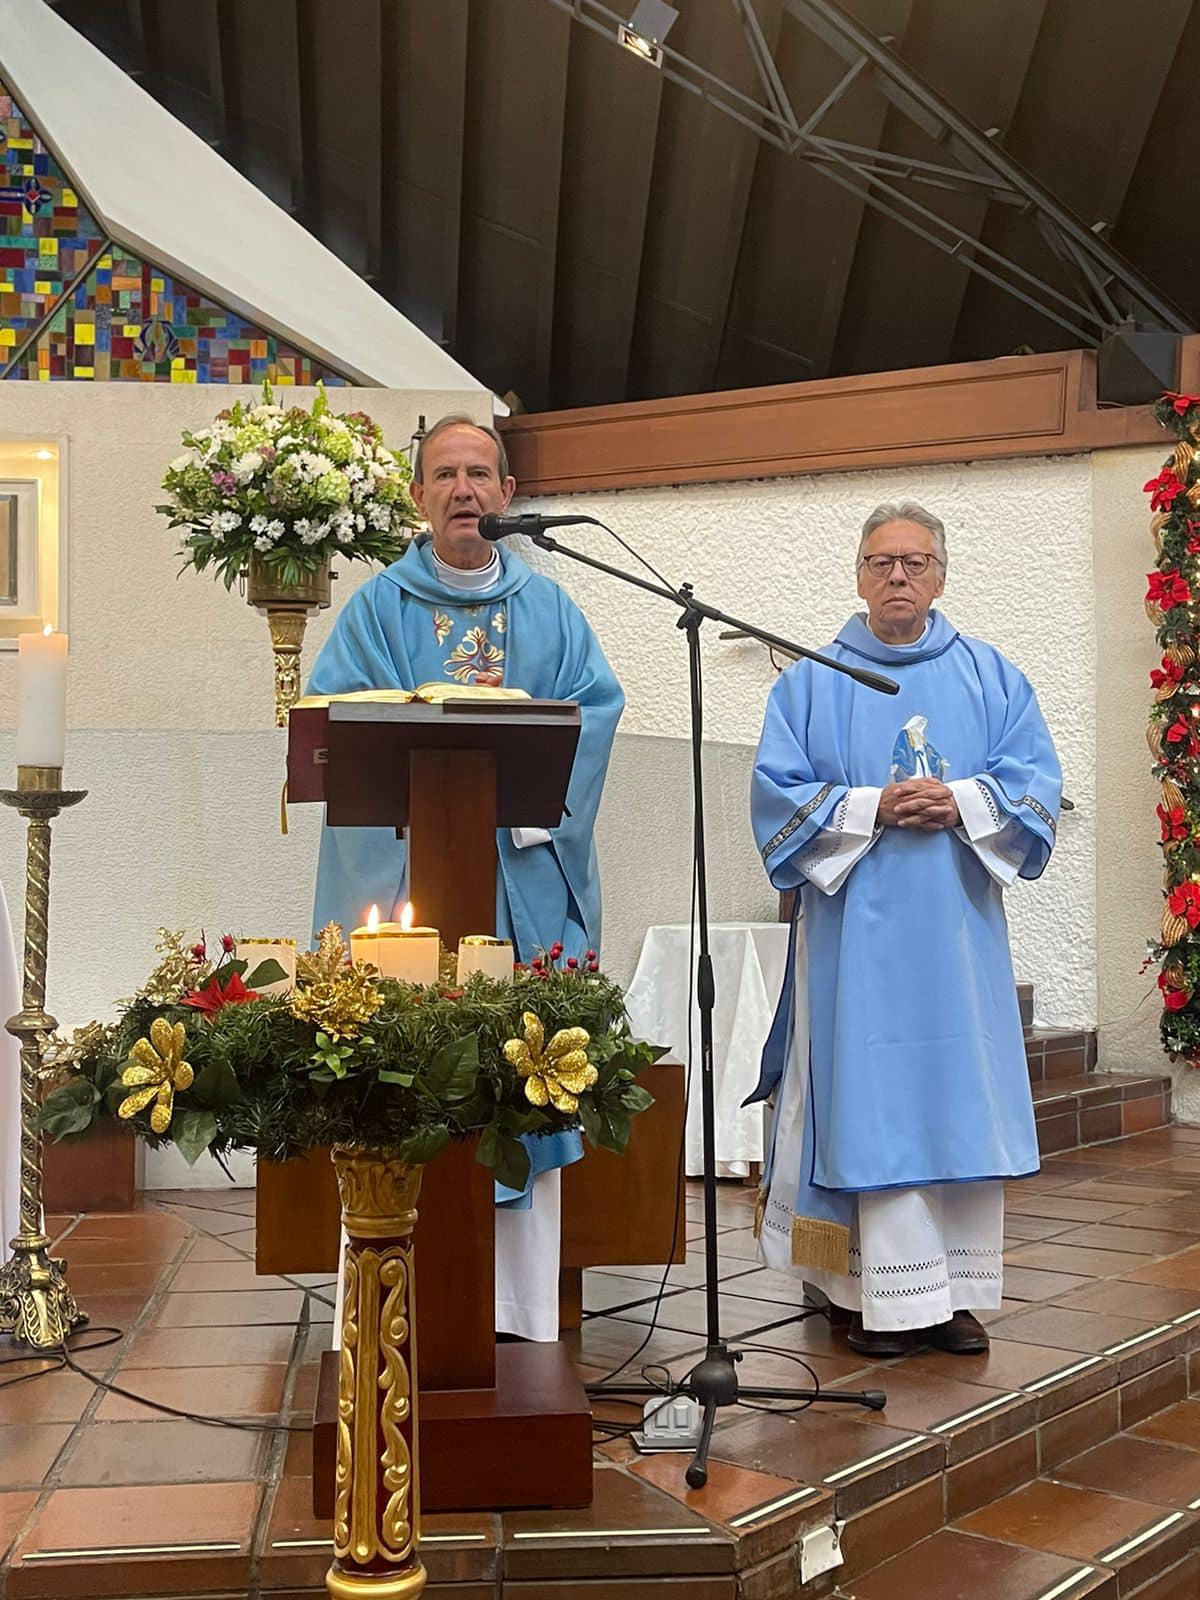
1173 606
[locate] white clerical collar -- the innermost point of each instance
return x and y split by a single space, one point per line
469 580
912 643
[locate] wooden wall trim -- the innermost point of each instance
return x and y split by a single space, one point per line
977 410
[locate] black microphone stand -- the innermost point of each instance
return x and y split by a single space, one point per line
713 1383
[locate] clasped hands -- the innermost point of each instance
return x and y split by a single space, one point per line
918 803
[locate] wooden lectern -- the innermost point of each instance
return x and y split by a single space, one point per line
501 1426
452 771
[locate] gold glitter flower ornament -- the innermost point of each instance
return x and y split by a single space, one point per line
556 1073
156 1071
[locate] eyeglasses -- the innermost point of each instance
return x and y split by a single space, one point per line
915 565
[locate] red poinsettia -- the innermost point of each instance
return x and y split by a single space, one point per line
1174 824
1182 403
1184 901
216 994
1168 588
1169 672
1181 731
1164 490
1173 999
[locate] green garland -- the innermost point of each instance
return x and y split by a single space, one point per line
1172 599
400 1068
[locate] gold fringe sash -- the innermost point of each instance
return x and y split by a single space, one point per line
822 1244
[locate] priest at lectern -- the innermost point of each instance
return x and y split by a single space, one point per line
459 610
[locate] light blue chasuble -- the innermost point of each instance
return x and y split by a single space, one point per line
406 627
916 1059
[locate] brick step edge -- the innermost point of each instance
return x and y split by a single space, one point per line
1089 1109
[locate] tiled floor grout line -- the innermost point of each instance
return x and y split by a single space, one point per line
51 1480
273 1472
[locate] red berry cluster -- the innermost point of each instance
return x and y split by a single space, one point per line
544 964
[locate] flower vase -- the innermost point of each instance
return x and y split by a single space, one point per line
287 607
377 1509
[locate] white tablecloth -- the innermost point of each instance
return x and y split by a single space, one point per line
748 962
10 1089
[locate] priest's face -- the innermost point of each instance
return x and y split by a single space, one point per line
898 600
460 481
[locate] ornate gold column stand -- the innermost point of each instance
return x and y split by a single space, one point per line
36 1306
287 608
377 1510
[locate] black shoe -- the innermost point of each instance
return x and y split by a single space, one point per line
878 1341
963 1335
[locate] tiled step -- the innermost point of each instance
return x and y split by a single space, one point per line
1090 1107
1120 1520
1059 1052
1099 1330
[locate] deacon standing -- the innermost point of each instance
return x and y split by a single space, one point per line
457 609
902 1096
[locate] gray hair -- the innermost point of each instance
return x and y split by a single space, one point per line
459 419
905 511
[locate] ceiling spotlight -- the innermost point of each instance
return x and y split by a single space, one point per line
646 29
44 455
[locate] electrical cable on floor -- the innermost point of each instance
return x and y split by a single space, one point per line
679 1166
62 1359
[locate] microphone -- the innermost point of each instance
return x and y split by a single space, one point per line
493 526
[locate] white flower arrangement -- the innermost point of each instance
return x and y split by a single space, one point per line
293 486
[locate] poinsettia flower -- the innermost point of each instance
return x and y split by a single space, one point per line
1163 490
1184 901
1174 824
1169 672
1181 731
216 994
1168 589
1173 999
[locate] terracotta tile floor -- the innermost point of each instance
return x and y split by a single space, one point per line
1094 1355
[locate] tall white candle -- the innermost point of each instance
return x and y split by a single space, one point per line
41 699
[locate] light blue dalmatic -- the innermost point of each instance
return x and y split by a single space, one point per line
917 1069
405 627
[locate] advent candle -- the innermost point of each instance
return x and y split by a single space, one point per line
255 951
41 699
480 952
364 941
408 953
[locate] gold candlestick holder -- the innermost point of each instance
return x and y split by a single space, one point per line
36 1306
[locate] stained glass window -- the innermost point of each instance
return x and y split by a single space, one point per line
46 236
103 312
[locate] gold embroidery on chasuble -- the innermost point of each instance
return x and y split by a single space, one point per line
477 655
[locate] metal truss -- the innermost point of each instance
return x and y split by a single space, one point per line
1105 290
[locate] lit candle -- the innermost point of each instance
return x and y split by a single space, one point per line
41 699
408 953
255 951
364 942
480 952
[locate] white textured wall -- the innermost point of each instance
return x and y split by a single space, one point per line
780 552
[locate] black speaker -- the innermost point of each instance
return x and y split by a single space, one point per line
1133 368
